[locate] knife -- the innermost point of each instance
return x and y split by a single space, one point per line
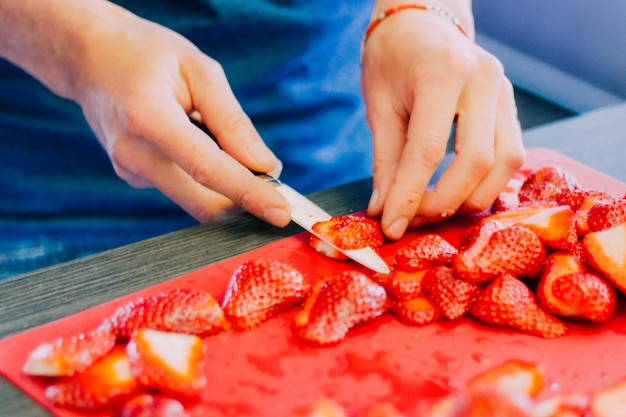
306 213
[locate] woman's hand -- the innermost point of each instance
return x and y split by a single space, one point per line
420 74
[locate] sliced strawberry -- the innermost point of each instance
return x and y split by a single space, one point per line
491 403
518 214
609 401
151 405
606 252
102 385
605 215
499 250
418 311
587 295
512 376
423 252
581 201
547 185
452 295
347 232
566 405
508 302
339 303
557 265
177 310
172 363
508 199
555 227
66 356
261 289
405 285
320 408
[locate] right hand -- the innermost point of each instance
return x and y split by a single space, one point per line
138 83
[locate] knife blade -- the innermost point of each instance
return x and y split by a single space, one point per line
306 213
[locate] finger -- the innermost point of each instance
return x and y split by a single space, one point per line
509 153
474 143
224 117
427 135
389 135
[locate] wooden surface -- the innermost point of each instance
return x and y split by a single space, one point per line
596 139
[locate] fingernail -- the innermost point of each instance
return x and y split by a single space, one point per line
398 227
276 216
374 199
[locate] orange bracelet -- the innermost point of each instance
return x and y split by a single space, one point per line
441 11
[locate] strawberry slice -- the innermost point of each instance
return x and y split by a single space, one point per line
347 232
547 185
508 199
581 201
102 385
66 356
172 363
320 408
555 227
498 250
557 265
508 302
261 289
609 401
425 251
606 214
338 304
178 310
566 405
585 295
606 252
150 405
512 376
405 285
452 295
418 311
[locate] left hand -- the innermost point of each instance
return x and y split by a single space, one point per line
420 73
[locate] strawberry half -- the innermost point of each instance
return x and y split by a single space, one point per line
405 285
508 199
178 310
452 295
261 289
500 250
606 214
102 385
512 376
151 405
346 232
339 303
555 227
508 302
66 356
425 251
171 363
547 185
606 252
581 201
565 405
418 311
609 401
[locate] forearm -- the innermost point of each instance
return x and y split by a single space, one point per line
461 9
49 38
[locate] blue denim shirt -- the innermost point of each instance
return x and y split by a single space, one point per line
292 64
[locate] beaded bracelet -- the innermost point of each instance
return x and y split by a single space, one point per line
443 12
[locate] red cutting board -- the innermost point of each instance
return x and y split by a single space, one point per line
268 372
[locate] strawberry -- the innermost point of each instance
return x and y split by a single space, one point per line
261 289
347 232
177 310
499 250
609 401
405 285
171 363
102 385
338 304
606 214
66 356
508 302
547 185
557 265
512 376
151 405
508 199
518 214
418 311
581 202
586 295
452 296
320 408
606 252
491 404
555 227
423 252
